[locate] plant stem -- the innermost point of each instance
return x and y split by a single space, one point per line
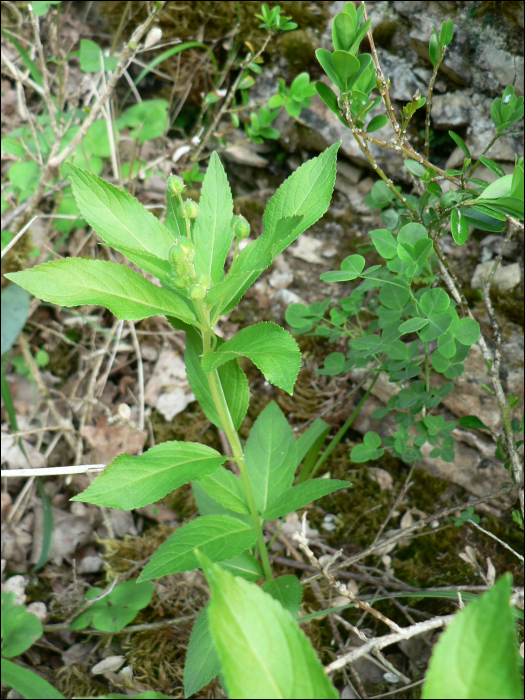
226 420
337 439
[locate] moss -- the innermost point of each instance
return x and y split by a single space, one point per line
298 48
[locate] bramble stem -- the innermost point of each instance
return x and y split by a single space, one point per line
233 439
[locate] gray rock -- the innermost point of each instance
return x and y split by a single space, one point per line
506 277
502 67
492 244
403 81
451 111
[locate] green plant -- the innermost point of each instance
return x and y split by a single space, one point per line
188 255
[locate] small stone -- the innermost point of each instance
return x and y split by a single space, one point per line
506 277
286 297
112 663
307 249
39 609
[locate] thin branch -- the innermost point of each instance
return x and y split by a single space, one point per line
386 640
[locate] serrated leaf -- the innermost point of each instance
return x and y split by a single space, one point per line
213 234
135 481
118 218
263 652
477 655
74 282
202 661
288 591
220 536
271 456
272 349
302 494
226 489
318 429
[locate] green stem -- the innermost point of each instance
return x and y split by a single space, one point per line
427 368
337 439
226 420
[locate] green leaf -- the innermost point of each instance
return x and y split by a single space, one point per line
302 494
412 325
15 310
202 661
233 381
20 629
459 226
262 650
411 233
271 456
343 32
307 193
481 221
467 331
446 344
351 267
439 362
326 61
434 49
385 243
213 234
459 142
377 123
493 166
75 282
435 301
345 65
226 489
477 655
118 218
288 591
27 683
245 565
447 33
437 325
134 481
414 167
92 60
394 296
272 349
472 422
328 96
150 119
114 611
220 536
318 429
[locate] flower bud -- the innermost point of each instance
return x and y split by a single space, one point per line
189 250
197 292
179 282
191 208
176 254
175 185
204 281
240 227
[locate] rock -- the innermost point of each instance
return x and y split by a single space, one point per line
403 81
349 172
307 249
451 111
506 277
491 247
503 68
286 297
245 156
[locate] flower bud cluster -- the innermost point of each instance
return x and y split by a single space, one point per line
240 227
181 256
